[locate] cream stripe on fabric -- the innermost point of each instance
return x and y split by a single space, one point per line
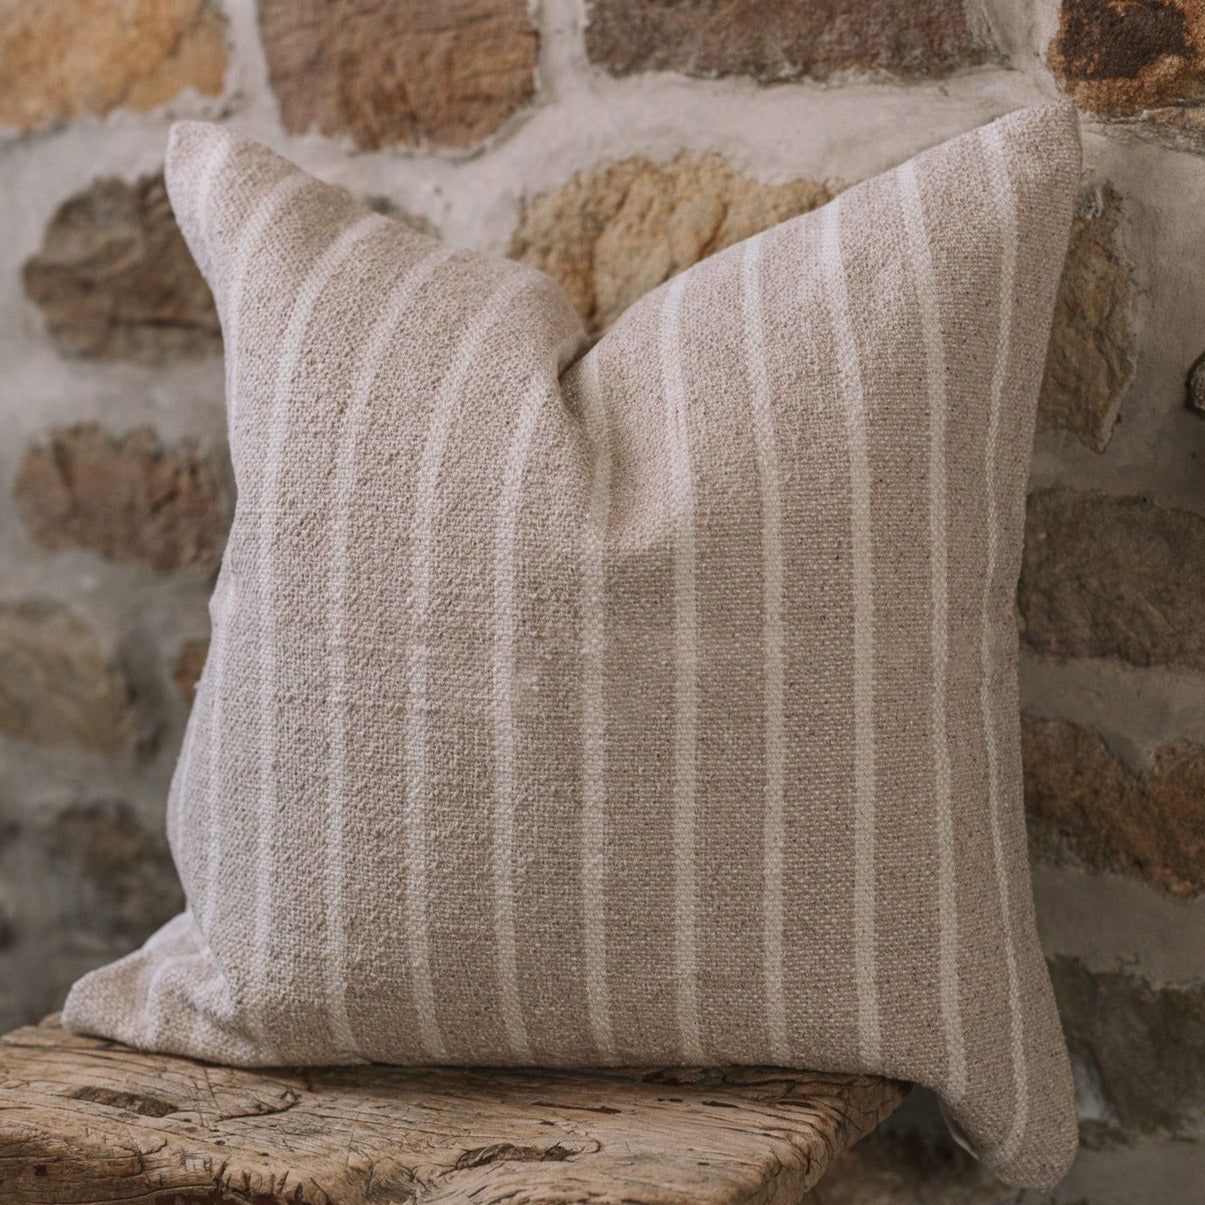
854 410
504 615
319 276
248 241
774 829
415 733
257 226
927 292
1006 206
594 710
396 305
686 684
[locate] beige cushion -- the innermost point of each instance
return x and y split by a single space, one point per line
653 706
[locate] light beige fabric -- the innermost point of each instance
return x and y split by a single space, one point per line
656 706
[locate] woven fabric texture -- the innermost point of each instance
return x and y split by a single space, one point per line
651 705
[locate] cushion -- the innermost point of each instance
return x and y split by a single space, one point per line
648 704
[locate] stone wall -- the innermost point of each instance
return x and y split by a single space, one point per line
611 143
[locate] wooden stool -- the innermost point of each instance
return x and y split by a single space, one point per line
87 1120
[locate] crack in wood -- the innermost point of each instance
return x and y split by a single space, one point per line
507 1152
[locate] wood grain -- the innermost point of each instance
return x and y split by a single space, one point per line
85 1121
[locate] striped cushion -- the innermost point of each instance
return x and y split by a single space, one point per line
653 705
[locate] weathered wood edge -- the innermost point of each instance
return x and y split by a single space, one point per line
85 1120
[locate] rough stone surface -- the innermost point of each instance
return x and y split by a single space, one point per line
1178 126
888 1168
1140 60
127 497
391 209
1120 57
63 58
1113 577
1090 361
124 885
610 237
56 685
88 880
115 279
1196 386
186 672
782 39
407 72
8 934
1086 808
1139 1050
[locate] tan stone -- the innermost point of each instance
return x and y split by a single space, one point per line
1086 808
1136 60
63 58
1090 361
121 884
127 498
116 280
56 686
407 72
186 672
1106 576
613 236
82 881
1141 1048
782 39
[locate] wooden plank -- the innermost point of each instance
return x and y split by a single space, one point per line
84 1120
